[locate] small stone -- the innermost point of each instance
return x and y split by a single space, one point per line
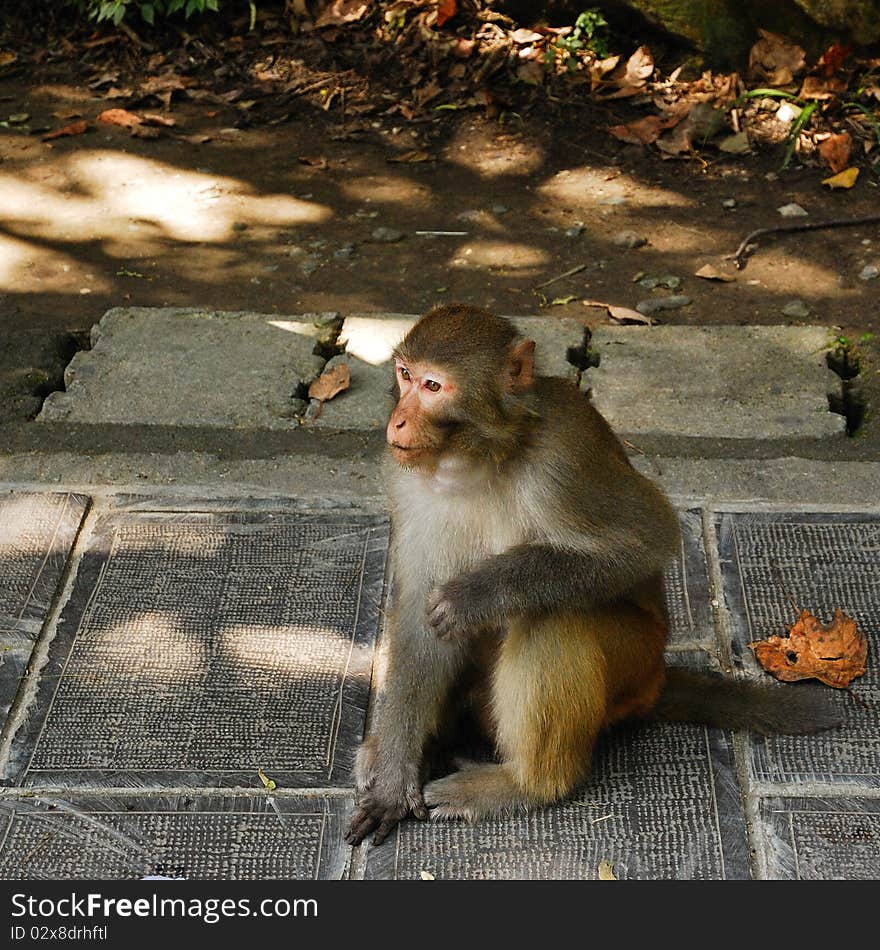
649 283
728 203
796 309
574 232
792 211
613 200
737 144
344 252
656 304
670 282
768 105
629 239
869 272
499 209
386 235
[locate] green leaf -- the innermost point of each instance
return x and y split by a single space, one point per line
148 13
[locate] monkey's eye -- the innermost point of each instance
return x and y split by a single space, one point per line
433 385
404 373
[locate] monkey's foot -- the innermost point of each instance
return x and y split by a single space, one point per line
474 792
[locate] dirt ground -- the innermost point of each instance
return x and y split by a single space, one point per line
280 219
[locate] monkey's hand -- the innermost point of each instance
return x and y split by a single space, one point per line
382 806
453 611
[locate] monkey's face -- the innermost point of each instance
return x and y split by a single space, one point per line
423 417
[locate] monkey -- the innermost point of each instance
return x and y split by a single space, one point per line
527 605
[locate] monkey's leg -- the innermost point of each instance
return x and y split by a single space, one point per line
550 701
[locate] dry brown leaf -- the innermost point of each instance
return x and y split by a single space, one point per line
821 87
644 131
330 383
122 117
164 121
708 272
638 68
836 151
342 11
835 654
774 60
621 314
75 128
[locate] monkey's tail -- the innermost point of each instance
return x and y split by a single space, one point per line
735 704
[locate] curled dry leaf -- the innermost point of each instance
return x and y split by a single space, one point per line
342 11
122 117
835 654
708 272
844 179
644 131
630 78
836 151
774 60
410 158
622 314
75 128
330 383
606 871
819 87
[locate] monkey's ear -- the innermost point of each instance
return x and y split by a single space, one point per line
520 373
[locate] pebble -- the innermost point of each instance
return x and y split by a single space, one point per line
629 239
728 203
386 235
344 252
574 232
499 209
613 200
869 272
796 309
670 282
792 211
656 304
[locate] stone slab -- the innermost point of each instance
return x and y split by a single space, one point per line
823 561
231 838
821 839
663 803
37 533
186 367
720 382
197 647
370 338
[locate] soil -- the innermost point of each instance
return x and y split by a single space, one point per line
279 218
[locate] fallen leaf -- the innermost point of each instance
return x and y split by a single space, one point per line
643 131
621 314
833 58
7 58
446 10
410 158
708 272
164 121
524 37
836 150
330 383
122 117
606 871
18 118
638 67
737 144
819 88
268 783
774 60
75 128
562 301
342 11
530 71
835 654
426 876
845 179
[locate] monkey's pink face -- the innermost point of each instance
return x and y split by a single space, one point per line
413 430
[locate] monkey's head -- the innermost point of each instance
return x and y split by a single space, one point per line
463 381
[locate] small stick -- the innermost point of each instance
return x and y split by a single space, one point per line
568 273
740 259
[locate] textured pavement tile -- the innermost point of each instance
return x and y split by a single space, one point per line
663 803
822 839
198 647
822 561
687 589
37 532
198 838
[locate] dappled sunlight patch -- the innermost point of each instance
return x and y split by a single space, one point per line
593 188
388 189
280 650
53 272
106 192
500 256
494 160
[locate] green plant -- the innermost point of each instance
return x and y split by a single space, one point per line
588 33
117 10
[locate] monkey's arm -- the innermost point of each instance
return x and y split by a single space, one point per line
390 775
540 579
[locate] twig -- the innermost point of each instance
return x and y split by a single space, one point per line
740 259
568 273
130 33
857 699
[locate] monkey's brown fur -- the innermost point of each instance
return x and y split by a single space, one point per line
528 557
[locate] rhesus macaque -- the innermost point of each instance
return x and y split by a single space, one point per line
528 595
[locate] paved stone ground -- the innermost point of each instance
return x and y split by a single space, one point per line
181 645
